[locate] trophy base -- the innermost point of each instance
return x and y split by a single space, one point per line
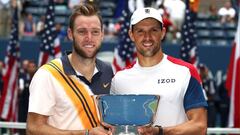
126 133
126 130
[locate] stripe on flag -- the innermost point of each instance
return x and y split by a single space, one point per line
8 101
233 81
188 50
50 46
124 53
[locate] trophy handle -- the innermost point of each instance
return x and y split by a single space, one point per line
99 103
104 105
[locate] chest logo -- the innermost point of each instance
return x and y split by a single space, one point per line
105 85
168 80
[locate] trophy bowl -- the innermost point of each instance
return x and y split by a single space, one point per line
127 111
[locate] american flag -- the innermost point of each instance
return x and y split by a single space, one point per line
8 101
233 79
188 50
50 46
124 53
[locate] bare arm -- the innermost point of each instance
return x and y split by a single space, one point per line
37 125
196 125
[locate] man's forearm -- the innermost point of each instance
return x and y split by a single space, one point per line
185 130
49 130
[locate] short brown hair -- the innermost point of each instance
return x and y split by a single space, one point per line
84 9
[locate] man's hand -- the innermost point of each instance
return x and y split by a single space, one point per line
147 130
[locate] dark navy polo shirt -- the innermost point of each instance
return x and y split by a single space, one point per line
101 81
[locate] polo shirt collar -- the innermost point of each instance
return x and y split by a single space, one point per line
69 70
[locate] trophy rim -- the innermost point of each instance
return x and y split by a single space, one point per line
101 117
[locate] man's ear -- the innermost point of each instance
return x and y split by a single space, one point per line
163 33
70 34
131 34
103 34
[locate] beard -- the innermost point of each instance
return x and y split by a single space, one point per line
150 52
83 53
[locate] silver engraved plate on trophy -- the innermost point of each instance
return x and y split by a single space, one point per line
127 111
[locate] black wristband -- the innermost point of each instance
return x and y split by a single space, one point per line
160 130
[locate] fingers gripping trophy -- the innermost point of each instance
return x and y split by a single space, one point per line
127 111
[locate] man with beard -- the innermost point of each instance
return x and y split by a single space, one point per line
61 91
182 105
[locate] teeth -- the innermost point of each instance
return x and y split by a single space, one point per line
147 44
88 46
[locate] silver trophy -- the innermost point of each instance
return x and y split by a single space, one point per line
127 111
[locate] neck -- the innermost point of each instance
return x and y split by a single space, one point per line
150 61
83 65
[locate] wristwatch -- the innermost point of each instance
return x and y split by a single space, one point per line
160 130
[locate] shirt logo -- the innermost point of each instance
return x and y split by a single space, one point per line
105 85
168 80
147 11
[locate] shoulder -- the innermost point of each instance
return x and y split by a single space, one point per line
104 66
45 74
53 63
179 62
41 78
48 67
42 72
101 64
127 71
192 70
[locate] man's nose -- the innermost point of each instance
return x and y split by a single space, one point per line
88 35
147 36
